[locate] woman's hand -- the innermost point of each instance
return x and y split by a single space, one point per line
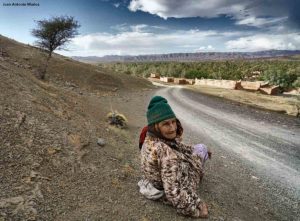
203 210
209 154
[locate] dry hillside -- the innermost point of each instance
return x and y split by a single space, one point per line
51 166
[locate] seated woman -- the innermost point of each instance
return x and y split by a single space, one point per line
171 169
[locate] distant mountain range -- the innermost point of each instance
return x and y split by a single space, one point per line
201 56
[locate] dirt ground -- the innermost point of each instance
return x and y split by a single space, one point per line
288 104
51 165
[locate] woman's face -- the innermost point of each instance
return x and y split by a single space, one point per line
167 128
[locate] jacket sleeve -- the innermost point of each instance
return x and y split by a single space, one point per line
179 184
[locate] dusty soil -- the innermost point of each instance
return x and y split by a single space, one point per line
282 103
51 165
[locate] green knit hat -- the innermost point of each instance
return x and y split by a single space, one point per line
159 110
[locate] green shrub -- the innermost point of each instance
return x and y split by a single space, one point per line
277 71
297 82
279 77
196 74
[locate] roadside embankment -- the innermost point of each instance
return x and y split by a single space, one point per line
287 104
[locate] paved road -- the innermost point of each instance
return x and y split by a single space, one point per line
264 145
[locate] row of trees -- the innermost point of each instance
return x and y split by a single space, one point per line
285 73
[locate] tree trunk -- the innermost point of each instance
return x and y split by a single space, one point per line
44 71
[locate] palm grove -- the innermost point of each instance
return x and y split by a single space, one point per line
282 72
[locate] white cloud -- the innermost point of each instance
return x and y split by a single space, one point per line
205 48
117 5
154 7
120 27
245 12
265 42
138 28
187 8
139 39
259 22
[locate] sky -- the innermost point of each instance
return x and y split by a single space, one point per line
136 27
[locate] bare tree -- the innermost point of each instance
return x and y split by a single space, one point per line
53 34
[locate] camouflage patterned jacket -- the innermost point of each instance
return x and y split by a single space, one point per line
173 168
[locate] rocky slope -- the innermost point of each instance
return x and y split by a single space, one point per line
50 162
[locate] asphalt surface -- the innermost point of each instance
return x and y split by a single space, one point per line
248 144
